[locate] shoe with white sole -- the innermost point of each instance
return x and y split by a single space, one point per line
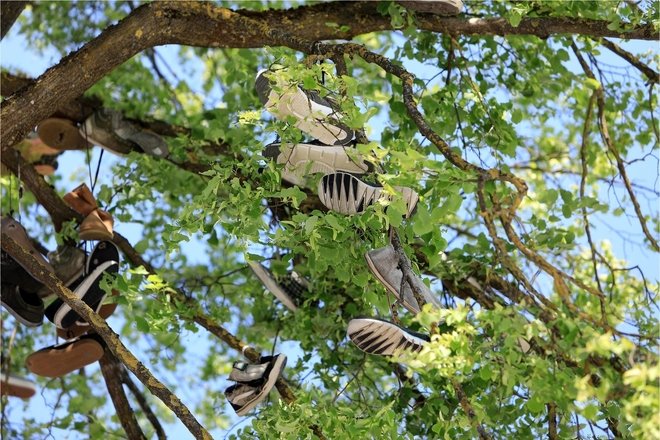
384 264
315 115
103 259
301 160
11 385
375 336
290 289
347 194
253 382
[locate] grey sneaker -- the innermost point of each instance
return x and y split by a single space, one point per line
347 194
254 382
384 264
440 7
375 336
315 115
26 307
301 160
108 129
290 289
68 262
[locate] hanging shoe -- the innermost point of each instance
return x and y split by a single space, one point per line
61 134
375 336
109 129
103 259
26 307
97 224
254 382
291 289
439 7
347 194
46 165
315 115
58 360
15 386
68 262
384 264
301 160
80 328
14 272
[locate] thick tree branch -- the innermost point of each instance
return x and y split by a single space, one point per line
9 12
113 343
110 368
204 25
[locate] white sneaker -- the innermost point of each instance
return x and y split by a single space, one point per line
315 115
301 160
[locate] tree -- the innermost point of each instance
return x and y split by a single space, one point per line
526 146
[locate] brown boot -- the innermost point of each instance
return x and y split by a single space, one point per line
97 226
81 200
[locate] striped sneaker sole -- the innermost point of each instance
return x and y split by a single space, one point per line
375 336
301 160
346 194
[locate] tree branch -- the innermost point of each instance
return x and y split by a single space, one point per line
469 411
204 25
651 74
9 12
142 401
111 339
111 368
607 140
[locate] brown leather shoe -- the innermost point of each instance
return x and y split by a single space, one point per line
97 226
81 200
61 134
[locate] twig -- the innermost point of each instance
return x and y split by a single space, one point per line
469 411
651 74
142 401
607 140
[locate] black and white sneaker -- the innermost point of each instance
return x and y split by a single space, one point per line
301 160
375 336
347 194
315 115
254 382
290 289
104 258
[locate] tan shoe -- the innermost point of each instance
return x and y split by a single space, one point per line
81 200
58 360
97 226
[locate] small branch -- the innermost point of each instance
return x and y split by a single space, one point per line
111 339
469 411
406 268
552 421
651 74
110 368
607 140
142 401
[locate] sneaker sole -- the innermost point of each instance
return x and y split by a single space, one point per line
269 282
301 160
375 336
412 308
346 194
56 361
312 117
273 375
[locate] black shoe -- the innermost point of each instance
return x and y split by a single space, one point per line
26 307
254 382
